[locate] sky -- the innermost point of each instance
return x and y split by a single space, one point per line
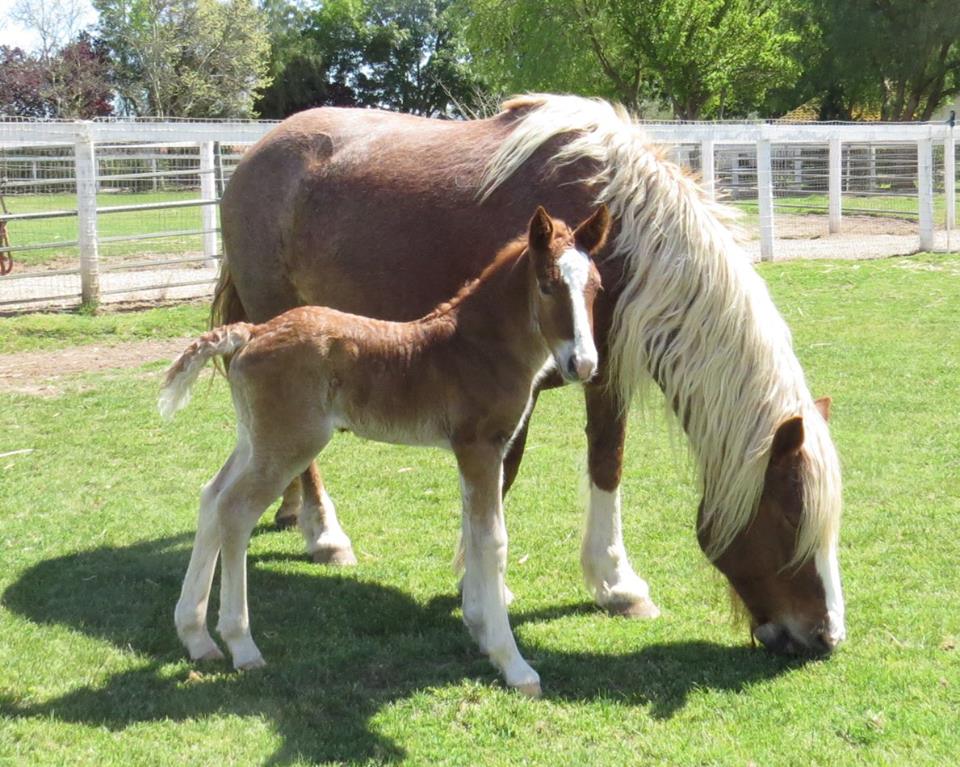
14 35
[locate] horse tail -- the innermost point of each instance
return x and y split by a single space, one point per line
226 308
180 376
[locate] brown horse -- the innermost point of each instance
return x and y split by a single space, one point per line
333 205
460 378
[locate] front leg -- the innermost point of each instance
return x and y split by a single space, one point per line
606 569
485 555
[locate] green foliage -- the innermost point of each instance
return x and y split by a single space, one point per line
899 58
186 58
705 58
397 54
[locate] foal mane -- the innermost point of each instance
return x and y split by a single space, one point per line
507 257
692 315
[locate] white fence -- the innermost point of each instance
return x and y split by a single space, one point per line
126 210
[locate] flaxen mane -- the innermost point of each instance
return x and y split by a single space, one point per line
692 315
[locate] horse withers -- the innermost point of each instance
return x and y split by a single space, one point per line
459 378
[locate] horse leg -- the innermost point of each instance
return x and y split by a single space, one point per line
247 494
289 511
190 615
606 569
326 542
485 549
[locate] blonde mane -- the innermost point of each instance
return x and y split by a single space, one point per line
692 315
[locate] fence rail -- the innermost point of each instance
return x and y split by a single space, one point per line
115 208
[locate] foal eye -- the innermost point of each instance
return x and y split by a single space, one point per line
546 288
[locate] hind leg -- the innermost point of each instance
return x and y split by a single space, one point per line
190 615
326 542
270 467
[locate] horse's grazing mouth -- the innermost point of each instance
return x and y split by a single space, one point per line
777 639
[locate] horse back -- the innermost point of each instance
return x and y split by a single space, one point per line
378 214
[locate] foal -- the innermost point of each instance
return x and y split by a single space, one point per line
460 378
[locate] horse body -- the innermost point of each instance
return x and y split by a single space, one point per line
461 378
681 307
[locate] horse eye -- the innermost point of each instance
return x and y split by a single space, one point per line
546 288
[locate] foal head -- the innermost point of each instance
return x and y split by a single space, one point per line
783 564
566 283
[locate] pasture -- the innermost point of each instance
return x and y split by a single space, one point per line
372 664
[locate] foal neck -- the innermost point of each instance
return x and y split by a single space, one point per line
497 304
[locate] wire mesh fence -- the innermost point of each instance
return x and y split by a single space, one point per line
127 210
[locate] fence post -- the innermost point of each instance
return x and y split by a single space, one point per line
950 178
765 198
925 191
708 168
836 177
208 191
85 167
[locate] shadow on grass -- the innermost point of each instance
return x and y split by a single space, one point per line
338 651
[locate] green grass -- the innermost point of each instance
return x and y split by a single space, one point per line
37 332
884 206
62 230
372 665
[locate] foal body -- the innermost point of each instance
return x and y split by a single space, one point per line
459 378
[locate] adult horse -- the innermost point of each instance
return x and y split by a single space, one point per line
682 307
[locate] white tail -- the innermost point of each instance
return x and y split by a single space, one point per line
175 394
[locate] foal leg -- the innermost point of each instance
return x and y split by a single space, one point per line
607 571
326 542
485 549
190 615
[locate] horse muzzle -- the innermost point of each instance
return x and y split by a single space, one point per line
779 639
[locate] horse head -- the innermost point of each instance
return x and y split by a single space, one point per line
792 593
567 281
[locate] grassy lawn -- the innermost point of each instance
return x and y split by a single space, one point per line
372 665
62 230
894 206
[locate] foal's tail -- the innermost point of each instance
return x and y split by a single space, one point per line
180 376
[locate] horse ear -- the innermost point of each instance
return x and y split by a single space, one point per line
787 440
823 405
540 233
591 235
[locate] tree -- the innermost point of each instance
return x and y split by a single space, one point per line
54 21
71 83
705 58
77 80
397 54
900 57
186 58
21 84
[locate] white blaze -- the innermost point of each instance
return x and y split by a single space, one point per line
828 568
575 271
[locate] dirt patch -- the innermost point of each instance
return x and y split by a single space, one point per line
47 373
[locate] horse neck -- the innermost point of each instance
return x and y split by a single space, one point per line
496 314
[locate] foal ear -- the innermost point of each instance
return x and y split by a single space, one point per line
591 235
787 440
540 233
823 405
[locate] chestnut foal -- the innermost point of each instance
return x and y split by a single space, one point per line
461 378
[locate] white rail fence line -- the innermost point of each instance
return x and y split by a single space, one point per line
751 163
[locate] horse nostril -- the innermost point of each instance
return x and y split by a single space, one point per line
572 367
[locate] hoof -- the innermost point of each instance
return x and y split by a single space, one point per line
334 556
211 655
529 690
251 665
285 522
639 608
